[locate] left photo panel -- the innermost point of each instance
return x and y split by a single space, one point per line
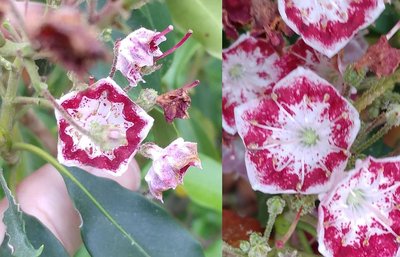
110 128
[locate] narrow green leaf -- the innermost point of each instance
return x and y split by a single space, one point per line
118 221
38 235
204 17
17 239
205 186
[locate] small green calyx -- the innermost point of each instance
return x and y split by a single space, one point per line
236 71
309 137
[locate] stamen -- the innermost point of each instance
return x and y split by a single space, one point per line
261 126
393 31
327 171
179 44
191 85
163 33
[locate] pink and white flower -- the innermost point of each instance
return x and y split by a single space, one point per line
361 216
111 128
169 164
249 70
138 50
297 140
328 25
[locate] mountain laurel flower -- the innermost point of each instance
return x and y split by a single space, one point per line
297 140
169 164
328 25
111 128
361 216
250 68
139 51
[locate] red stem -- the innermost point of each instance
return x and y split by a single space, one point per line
279 244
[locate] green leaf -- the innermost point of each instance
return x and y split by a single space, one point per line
204 18
17 239
205 186
118 221
38 235
82 252
163 132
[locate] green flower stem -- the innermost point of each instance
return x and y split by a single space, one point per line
7 107
379 88
10 49
310 229
230 251
50 159
270 225
33 101
391 121
304 241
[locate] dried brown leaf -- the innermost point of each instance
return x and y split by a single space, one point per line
381 58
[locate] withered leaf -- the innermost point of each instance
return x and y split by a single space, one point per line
381 58
175 103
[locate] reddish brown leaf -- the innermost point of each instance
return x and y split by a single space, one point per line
176 102
381 58
266 18
236 228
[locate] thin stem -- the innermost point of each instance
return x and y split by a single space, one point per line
68 117
33 100
179 44
50 159
7 108
310 229
269 226
281 242
393 31
362 147
19 18
115 59
304 241
377 89
230 251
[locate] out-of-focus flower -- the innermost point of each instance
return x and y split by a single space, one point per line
250 68
360 216
266 19
233 157
235 14
169 164
298 139
114 127
328 25
68 38
44 195
176 102
140 50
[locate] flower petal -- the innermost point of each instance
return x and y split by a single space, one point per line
328 25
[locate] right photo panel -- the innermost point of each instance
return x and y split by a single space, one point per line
311 136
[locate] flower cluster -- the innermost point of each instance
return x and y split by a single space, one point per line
102 128
290 106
